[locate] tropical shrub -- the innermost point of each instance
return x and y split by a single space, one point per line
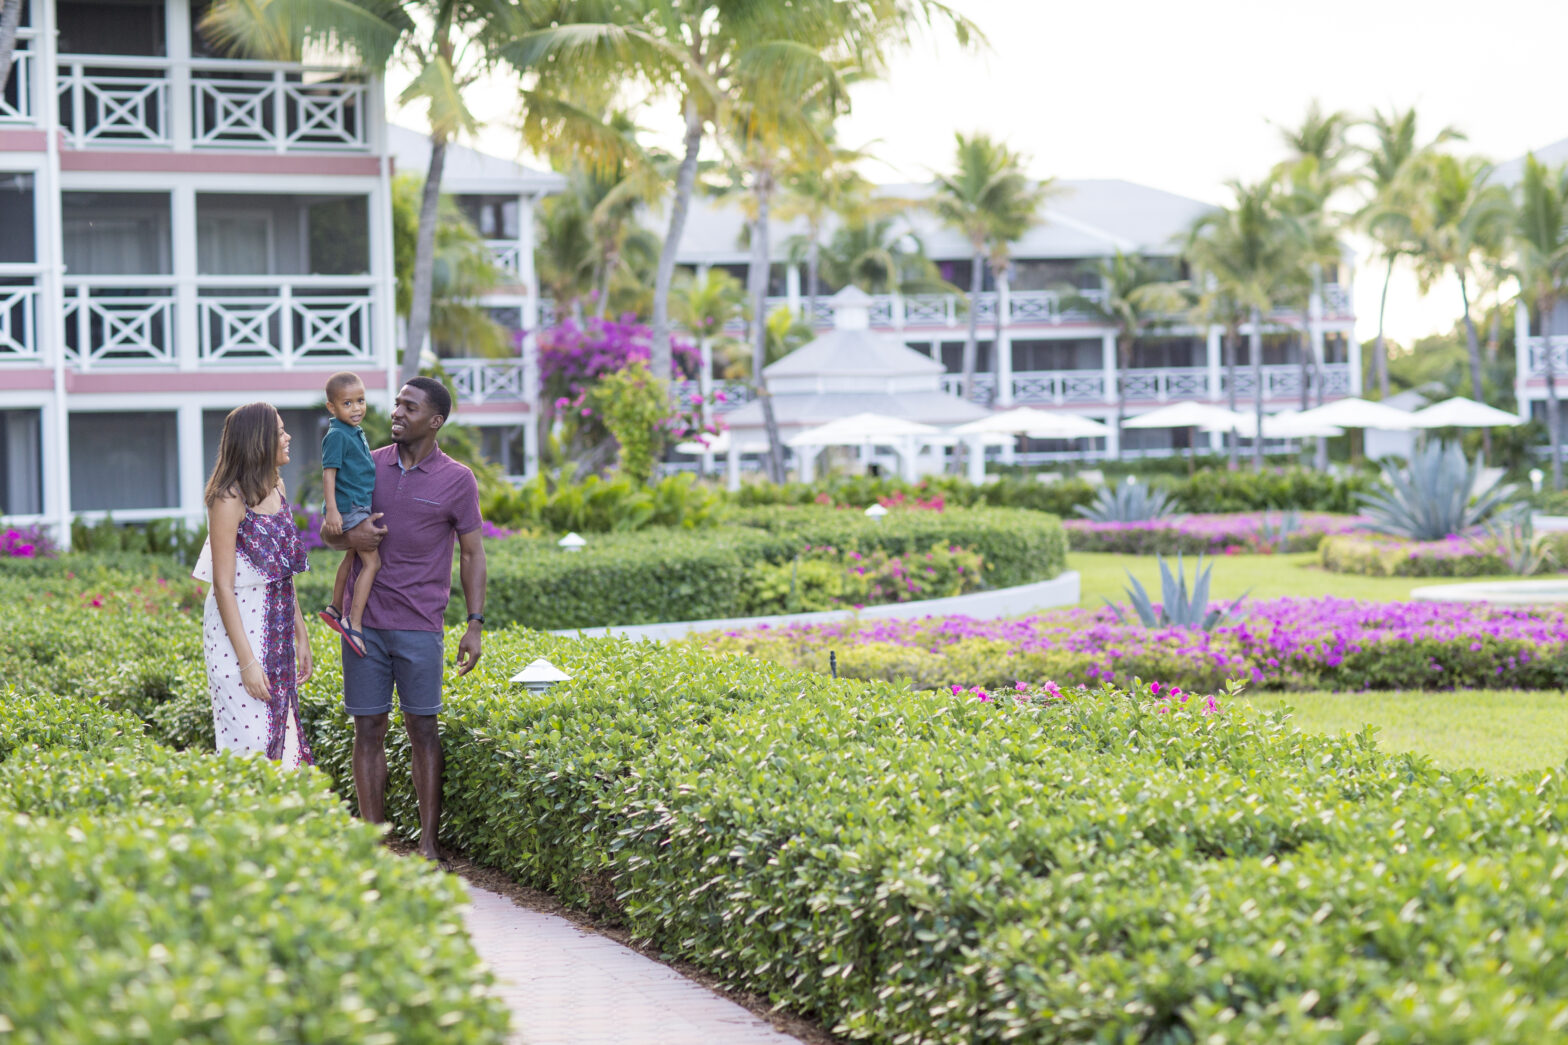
597 505
1432 498
1304 489
824 578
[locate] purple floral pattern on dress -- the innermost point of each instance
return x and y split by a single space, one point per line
271 544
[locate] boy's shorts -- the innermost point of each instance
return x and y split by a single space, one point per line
354 516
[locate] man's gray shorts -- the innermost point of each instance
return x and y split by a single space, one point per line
410 659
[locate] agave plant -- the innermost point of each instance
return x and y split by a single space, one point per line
1431 499
1177 608
1512 535
1128 502
1273 533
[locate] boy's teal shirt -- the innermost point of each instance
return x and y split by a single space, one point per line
345 448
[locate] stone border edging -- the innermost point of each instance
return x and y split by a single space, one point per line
1502 593
1062 590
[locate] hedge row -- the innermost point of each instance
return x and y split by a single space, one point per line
911 866
1378 556
668 575
154 895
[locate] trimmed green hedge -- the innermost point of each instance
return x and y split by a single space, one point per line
148 894
1380 556
916 866
670 575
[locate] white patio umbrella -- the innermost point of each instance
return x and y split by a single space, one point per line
1288 424
1036 424
1360 413
1460 412
1188 415
861 428
718 444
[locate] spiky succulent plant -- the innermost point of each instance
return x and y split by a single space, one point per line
1128 502
1432 498
1178 608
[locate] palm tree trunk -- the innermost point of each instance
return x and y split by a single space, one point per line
1231 337
971 340
1123 356
757 277
1255 351
9 21
424 260
1554 432
813 266
1379 351
1473 345
685 182
611 258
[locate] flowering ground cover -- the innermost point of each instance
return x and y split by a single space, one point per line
1453 556
1275 644
1228 533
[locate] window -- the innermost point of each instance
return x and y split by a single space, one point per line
302 475
18 246
1075 354
496 217
123 460
21 463
1054 274
116 233
1169 352
953 357
133 27
234 244
340 237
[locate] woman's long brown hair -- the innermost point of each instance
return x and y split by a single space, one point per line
247 455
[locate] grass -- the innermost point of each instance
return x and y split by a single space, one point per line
1498 731
1268 577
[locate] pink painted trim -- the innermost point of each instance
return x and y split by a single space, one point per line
217 162
21 140
463 408
29 380
250 382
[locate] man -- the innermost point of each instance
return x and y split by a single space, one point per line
427 498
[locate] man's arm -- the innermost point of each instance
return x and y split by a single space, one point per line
359 539
471 573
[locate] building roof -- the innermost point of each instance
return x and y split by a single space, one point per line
468 170
1510 172
1086 218
843 353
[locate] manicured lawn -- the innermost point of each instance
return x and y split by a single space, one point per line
1500 731
1269 577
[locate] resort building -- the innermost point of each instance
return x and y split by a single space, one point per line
1038 345
182 233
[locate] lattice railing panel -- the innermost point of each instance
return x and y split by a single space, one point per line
119 324
18 327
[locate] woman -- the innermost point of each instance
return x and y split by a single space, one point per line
254 632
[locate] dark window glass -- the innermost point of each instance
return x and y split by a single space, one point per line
340 237
21 463
953 357
1075 354
18 243
125 460
116 233
133 27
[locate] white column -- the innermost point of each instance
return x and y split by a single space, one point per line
1113 439
732 464
55 421
177 25
182 233
1213 352
792 288
384 322
976 462
705 390
192 461
1108 364
530 448
1522 359
1004 346
806 456
1353 355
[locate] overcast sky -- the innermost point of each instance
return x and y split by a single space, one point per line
1183 96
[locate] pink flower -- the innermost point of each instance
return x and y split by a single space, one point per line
720 397
957 689
1021 686
1211 706
97 601
1154 689
1162 709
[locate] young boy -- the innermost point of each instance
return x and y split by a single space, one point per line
348 475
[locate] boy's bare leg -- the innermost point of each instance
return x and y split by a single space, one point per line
340 584
369 566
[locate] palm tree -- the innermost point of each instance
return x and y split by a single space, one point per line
1392 177
705 306
880 255
816 186
1251 251
464 269
1135 296
1462 220
1540 245
990 201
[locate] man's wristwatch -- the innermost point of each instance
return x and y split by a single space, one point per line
480 617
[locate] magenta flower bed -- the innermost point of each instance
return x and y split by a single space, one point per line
1226 533
1276 644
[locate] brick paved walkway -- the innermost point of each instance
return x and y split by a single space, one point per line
570 987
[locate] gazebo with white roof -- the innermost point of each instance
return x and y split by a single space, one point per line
851 370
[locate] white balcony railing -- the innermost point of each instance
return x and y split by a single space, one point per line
478 381
1559 357
508 255
727 394
1149 385
119 320
117 101
18 316
16 102
309 319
